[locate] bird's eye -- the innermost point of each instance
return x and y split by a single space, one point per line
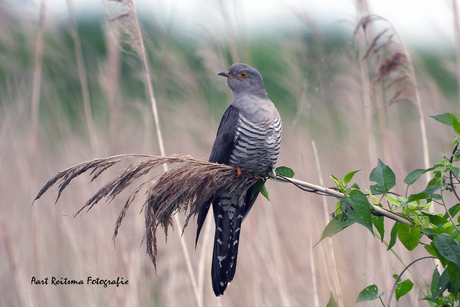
243 74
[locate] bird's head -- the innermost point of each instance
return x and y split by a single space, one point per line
244 79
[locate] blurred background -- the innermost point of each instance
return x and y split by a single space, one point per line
73 88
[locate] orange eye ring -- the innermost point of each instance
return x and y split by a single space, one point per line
243 74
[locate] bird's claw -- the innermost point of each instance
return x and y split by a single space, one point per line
239 172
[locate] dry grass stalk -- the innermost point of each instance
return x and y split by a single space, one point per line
330 258
82 77
393 69
396 75
36 83
360 35
457 38
128 24
135 34
183 188
402 62
131 37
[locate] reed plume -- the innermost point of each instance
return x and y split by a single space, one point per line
183 188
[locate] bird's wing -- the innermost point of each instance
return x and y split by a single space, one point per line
225 138
220 153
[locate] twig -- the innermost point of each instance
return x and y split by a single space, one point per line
309 187
452 186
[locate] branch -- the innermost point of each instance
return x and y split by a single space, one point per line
309 187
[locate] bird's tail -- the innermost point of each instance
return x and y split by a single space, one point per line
229 210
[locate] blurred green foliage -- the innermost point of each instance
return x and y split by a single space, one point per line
301 70
444 77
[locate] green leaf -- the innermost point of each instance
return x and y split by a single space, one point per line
448 248
349 176
378 223
415 197
450 120
335 225
433 251
360 211
340 185
432 186
384 177
394 235
409 236
446 118
402 288
441 284
454 279
355 186
369 293
393 199
456 125
429 232
453 210
332 302
414 176
436 219
260 187
434 282
455 170
284 171
264 192
453 144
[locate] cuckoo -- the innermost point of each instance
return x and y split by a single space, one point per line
248 138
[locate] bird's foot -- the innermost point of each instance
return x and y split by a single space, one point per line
239 172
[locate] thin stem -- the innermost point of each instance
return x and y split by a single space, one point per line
426 152
376 210
363 10
451 179
400 260
333 263
457 37
447 209
148 81
83 79
399 277
451 175
36 83
309 187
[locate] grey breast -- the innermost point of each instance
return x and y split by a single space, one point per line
257 143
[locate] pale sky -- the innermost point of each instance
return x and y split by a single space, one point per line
418 21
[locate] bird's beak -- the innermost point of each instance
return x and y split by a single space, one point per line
226 74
